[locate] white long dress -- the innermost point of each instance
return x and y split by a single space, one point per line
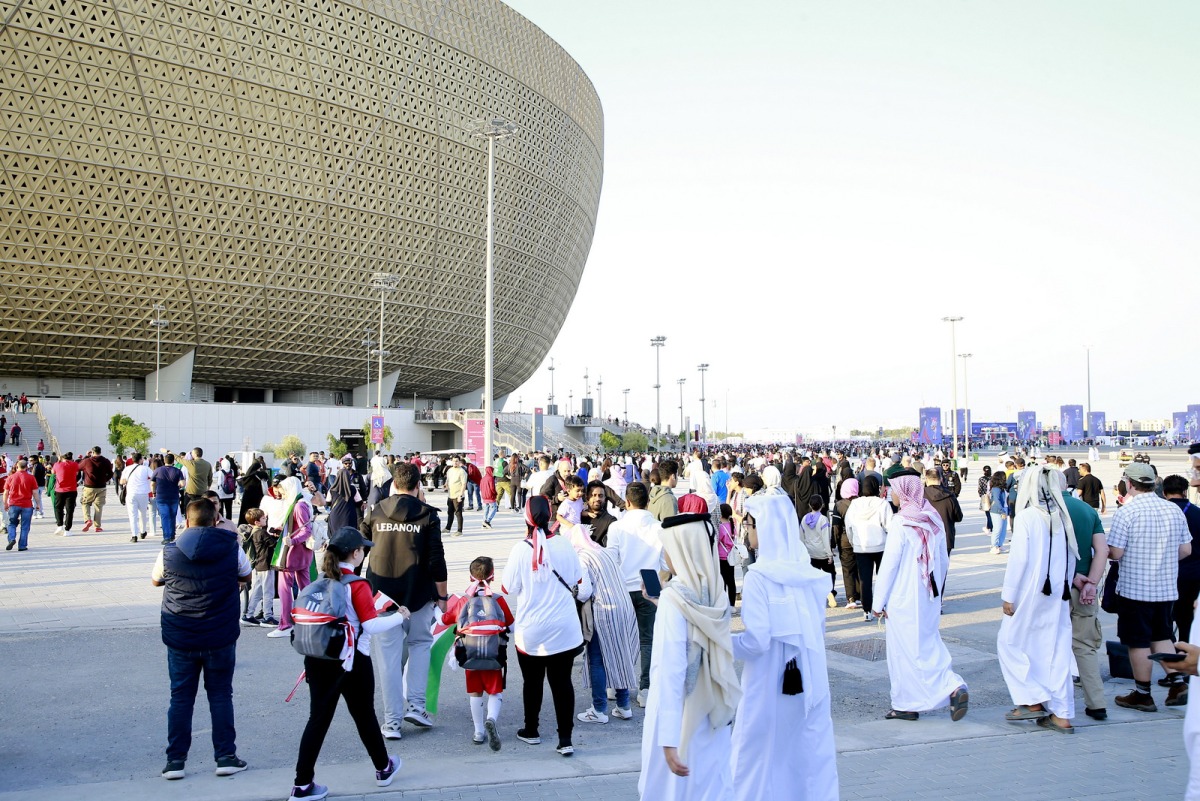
918 663
1034 645
708 750
1191 744
783 746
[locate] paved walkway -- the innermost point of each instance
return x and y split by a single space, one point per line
85 695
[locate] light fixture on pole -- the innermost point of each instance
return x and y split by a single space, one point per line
967 411
384 283
625 392
570 401
600 398
703 420
657 343
159 323
681 382
493 129
551 410
367 344
1088 419
954 377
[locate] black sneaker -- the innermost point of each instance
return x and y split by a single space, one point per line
384 777
531 737
1096 714
250 621
173 770
310 792
11 544
229 765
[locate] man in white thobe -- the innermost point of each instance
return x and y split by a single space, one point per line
1034 644
783 743
908 595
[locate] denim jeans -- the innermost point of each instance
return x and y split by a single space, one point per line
998 537
599 679
644 611
473 501
185 668
166 516
19 516
489 511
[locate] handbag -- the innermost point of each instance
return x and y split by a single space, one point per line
1110 601
985 502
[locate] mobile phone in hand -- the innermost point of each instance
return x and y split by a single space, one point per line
653 585
1168 658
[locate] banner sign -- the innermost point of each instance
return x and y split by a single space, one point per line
930 431
1070 425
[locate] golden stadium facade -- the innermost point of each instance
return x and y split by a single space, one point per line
249 164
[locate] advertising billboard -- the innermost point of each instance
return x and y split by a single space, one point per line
930 430
962 417
475 438
1179 423
1070 425
1191 423
1027 425
1096 424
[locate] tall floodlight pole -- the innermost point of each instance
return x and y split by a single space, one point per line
703 420
1088 419
600 398
954 377
159 323
385 283
967 404
625 392
492 129
681 382
551 369
367 344
657 343
570 401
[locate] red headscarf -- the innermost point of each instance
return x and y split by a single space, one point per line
921 516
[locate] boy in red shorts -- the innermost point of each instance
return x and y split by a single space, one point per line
481 647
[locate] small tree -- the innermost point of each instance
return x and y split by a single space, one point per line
286 447
126 434
387 434
609 442
634 441
337 448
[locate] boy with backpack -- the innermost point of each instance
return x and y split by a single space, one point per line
481 647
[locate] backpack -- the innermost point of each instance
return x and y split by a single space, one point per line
320 616
482 639
228 483
473 474
319 528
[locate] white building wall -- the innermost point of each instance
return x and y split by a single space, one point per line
220 428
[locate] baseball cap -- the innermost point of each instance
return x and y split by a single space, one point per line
1140 473
348 540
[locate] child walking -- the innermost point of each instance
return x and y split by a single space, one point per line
724 547
483 619
814 533
260 545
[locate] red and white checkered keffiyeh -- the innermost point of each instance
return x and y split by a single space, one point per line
922 517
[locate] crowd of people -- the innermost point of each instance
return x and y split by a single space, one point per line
631 562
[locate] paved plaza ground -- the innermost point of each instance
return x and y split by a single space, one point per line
85 693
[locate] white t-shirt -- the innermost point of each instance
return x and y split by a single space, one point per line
137 479
546 620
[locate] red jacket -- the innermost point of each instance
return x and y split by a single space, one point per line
487 487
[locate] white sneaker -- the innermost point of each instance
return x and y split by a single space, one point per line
391 731
69 533
641 698
418 717
280 633
622 714
58 532
853 605
592 716
868 617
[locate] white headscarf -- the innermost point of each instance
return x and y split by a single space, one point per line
797 605
1041 492
697 592
771 478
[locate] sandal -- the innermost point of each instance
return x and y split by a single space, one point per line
897 715
958 704
1024 712
1048 723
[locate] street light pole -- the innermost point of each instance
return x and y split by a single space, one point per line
967 404
703 420
384 282
1088 419
625 392
367 343
551 369
159 324
492 129
954 377
681 383
657 343
600 398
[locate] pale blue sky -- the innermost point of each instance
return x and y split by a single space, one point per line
797 192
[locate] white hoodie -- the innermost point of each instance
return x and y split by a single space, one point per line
866 523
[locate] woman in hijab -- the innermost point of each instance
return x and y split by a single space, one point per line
346 495
847 491
252 482
295 527
694 689
911 579
544 575
783 744
867 519
610 630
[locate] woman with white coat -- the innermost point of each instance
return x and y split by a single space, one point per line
867 520
783 743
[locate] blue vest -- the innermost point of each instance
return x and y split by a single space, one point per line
201 600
